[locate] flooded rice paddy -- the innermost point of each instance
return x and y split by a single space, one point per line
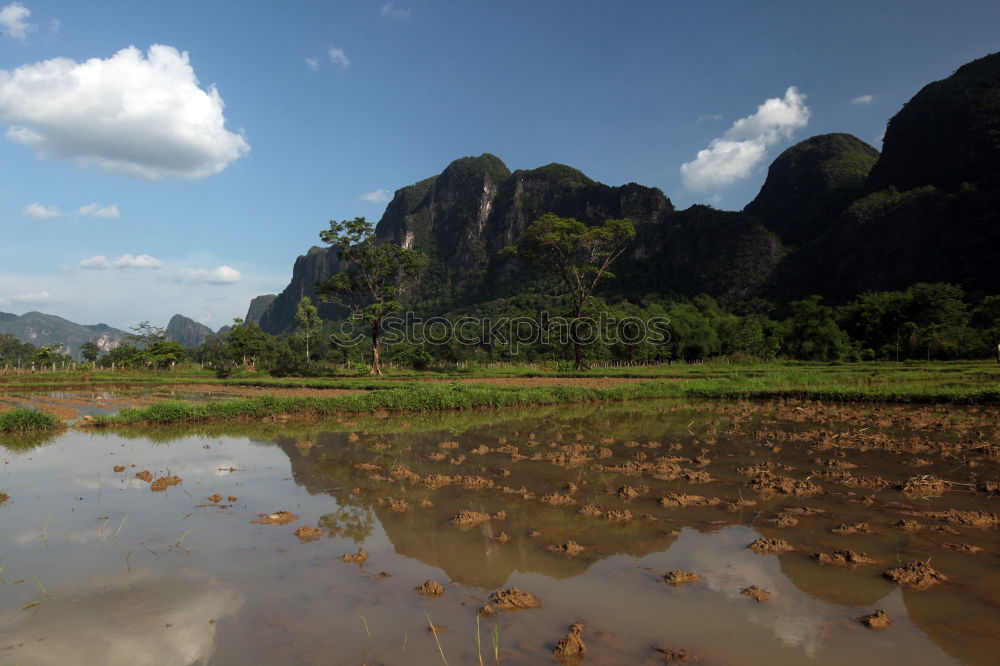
619 529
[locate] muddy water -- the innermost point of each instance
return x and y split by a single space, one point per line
97 568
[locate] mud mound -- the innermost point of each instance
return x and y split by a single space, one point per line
308 533
966 548
676 655
852 528
511 598
981 519
571 645
164 482
431 589
678 577
767 483
876 620
916 575
756 593
119 468
466 519
766 546
618 515
570 549
591 511
629 493
677 500
359 557
144 475
557 499
924 486
276 518
843 557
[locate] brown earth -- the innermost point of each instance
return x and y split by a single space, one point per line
756 593
766 546
277 518
916 575
430 588
678 577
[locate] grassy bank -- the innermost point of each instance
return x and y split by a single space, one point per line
22 419
789 384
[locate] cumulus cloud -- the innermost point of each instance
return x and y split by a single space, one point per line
100 262
864 100
339 58
389 10
39 211
96 210
220 275
376 196
14 21
733 156
313 64
139 116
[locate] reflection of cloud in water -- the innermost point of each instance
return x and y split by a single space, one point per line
167 620
792 616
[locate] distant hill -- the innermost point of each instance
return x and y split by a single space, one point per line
187 332
257 308
44 330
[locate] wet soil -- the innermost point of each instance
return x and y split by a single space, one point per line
877 620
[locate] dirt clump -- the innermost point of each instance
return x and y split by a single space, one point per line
618 515
215 499
308 533
430 588
698 476
358 557
511 598
276 518
164 482
877 620
767 483
785 520
756 593
966 548
466 519
119 468
980 519
629 493
232 498
144 475
915 575
571 645
399 505
924 486
679 577
852 528
556 499
591 511
843 557
908 525
766 546
570 549
678 500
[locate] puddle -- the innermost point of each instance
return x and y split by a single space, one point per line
241 559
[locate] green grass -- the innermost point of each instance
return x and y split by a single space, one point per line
966 386
22 419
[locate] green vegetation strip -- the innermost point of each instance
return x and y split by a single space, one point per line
420 398
22 419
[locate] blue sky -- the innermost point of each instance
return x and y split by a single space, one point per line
129 190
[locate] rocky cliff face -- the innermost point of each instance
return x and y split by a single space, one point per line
313 267
257 308
187 332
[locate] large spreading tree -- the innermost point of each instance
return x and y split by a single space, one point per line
376 275
579 255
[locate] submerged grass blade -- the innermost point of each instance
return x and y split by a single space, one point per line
436 640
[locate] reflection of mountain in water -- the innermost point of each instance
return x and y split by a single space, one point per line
159 619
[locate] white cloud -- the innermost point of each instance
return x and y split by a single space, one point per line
14 21
313 64
100 262
220 275
95 210
38 211
864 100
338 57
389 10
39 298
733 156
376 196
139 116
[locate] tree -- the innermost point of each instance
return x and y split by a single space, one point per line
146 335
307 319
812 332
578 255
90 351
247 341
377 275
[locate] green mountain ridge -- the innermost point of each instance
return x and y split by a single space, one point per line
44 330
